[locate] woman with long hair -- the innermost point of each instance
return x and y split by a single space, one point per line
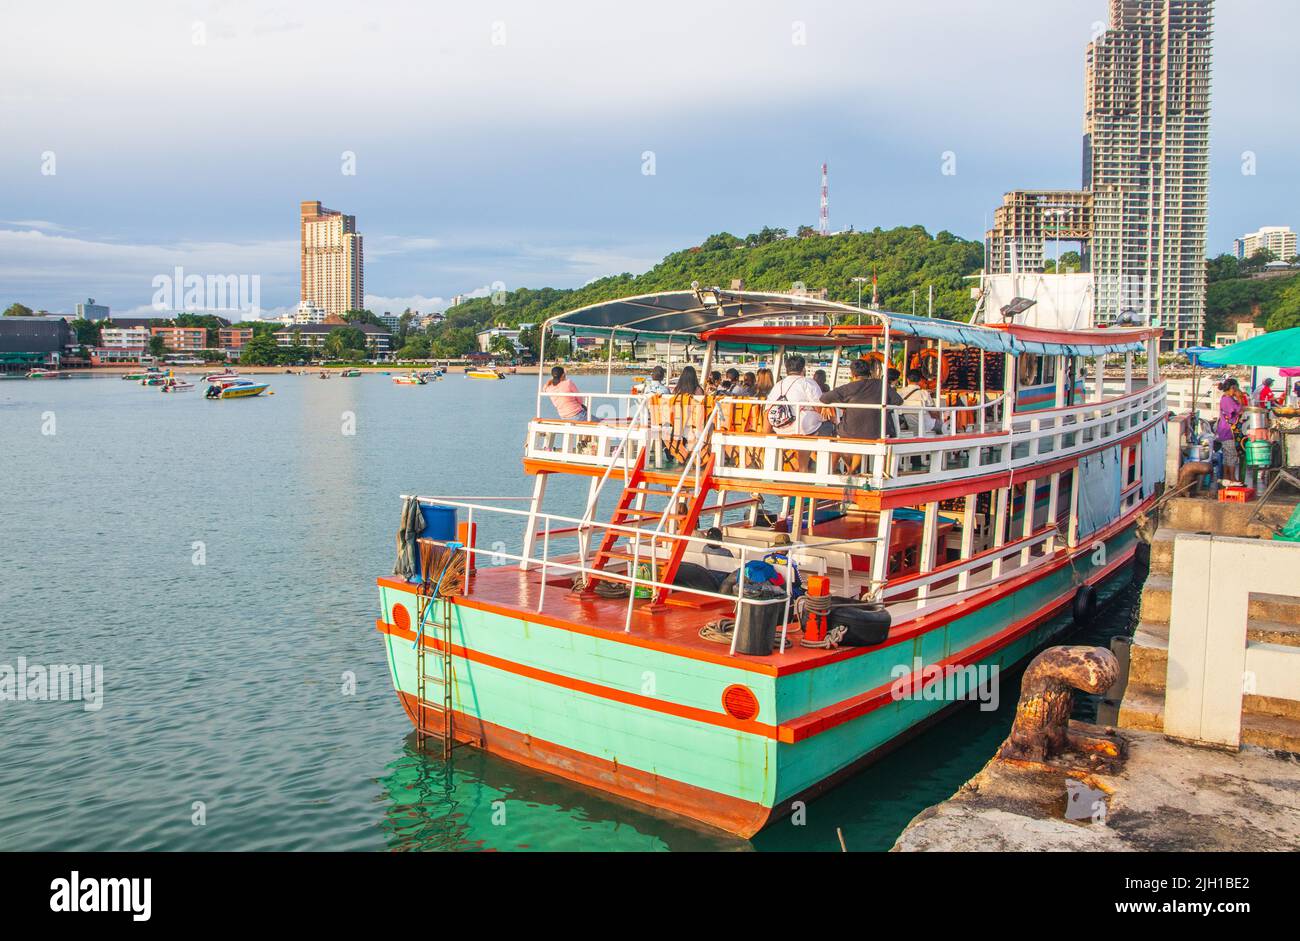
570 408
685 413
763 383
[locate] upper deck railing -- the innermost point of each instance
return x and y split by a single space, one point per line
989 441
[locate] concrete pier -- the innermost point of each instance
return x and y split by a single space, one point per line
1168 796
1205 719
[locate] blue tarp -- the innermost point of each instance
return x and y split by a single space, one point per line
997 341
1154 441
673 314
1100 479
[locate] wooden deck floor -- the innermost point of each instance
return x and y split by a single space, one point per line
674 626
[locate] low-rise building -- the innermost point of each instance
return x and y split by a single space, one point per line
1243 331
182 339
307 312
124 337
116 355
313 335
234 339
26 342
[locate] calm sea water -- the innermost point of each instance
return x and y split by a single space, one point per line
225 681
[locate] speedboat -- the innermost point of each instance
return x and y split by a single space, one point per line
45 374
137 376
153 379
414 379
483 374
350 373
177 385
242 389
224 374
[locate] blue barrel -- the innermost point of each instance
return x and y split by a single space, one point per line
439 522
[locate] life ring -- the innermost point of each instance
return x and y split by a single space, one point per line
1027 368
928 362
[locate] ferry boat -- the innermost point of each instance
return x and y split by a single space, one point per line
626 651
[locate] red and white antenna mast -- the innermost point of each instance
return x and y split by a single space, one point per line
824 223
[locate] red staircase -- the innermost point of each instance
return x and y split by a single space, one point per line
668 520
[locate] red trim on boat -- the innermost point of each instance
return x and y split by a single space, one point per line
744 818
651 703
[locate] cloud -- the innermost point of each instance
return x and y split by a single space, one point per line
418 302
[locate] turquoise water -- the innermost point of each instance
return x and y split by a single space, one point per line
228 684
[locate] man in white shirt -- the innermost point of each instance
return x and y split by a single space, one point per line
915 396
794 389
655 385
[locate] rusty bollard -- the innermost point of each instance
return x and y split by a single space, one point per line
1042 726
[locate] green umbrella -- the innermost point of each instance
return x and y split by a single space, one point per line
1279 348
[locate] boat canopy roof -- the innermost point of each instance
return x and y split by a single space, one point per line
730 318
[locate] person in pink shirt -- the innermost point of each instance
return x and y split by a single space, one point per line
568 407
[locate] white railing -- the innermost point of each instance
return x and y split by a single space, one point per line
556 527
1030 438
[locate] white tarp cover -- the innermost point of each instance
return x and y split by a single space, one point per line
1100 476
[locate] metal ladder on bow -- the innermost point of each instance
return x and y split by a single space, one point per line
424 678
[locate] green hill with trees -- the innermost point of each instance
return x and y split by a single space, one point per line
1235 291
903 260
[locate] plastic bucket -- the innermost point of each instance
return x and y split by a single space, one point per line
756 627
439 522
1259 453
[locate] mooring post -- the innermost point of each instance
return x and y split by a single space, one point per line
1042 725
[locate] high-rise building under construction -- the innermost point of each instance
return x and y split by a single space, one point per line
1146 155
1141 216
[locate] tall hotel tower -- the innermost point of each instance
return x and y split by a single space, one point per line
1146 150
332 260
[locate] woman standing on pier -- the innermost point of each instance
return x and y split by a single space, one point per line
1228 429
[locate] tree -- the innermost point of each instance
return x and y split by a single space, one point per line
502 346
157 346
1222 268
88 332
363 316
1258 260
262 350
805 232
1286 311
345 343
19 310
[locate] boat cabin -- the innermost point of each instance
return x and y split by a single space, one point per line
1022 447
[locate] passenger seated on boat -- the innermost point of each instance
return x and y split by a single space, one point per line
912 421
570 407
679 417
655 385
714 534
788 414
861 423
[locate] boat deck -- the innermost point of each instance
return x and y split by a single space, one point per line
674 627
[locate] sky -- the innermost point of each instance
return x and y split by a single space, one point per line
549 143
